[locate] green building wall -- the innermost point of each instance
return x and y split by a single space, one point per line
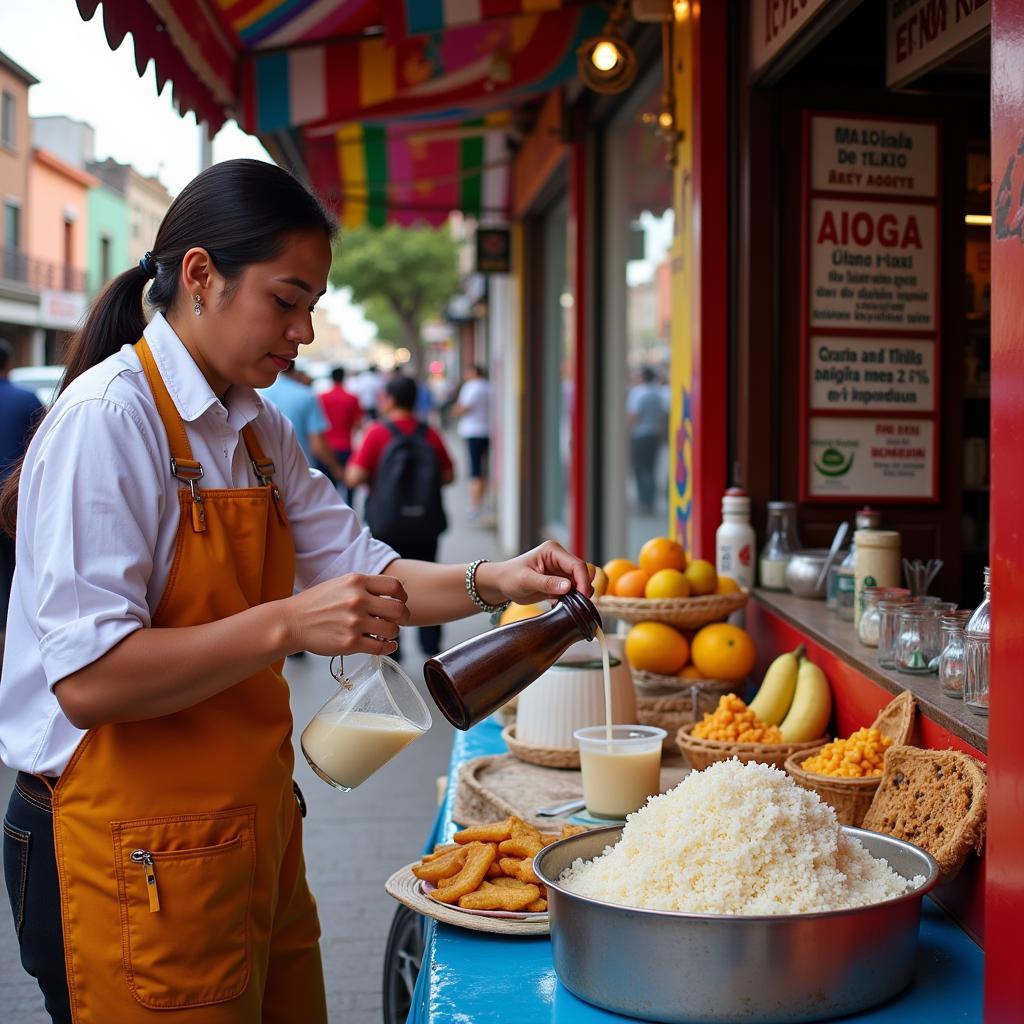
108 219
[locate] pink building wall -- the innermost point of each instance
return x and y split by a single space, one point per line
57 193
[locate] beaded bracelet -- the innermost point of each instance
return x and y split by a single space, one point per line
474 594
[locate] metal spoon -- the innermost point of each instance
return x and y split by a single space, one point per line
557 810
837 543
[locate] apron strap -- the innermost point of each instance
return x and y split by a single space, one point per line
263 466
183 466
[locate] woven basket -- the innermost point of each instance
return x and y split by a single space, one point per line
672 703
851 798
547 757
684 612
700 753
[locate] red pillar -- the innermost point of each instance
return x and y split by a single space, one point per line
1004 894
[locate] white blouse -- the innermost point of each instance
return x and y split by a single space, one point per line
98 516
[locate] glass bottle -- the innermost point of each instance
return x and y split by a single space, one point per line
953 659
781 543
865 519
977 635
474 678
888 621
870 625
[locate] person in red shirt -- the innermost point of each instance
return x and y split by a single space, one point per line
396 405
344 415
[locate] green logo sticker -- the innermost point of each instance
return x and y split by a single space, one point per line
834 462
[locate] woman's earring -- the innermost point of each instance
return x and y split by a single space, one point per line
198 307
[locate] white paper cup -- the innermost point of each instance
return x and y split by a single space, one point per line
620 775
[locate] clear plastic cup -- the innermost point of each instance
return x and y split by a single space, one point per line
374 715
619 776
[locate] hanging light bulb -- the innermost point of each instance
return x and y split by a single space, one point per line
606 62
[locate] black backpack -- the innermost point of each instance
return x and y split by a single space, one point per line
405 495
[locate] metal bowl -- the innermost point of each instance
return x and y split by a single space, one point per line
802 572
688 968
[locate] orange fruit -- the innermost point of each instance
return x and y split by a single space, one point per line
599 579
667 583
723 651
614 569
690 672
631 584
702 577
661 553
727 585
655 647
516 612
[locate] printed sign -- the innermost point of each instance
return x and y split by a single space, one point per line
872 265
871 458
61 310
493 251
922 33
874 157
774 23
872 374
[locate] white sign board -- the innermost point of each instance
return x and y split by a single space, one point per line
871 458
853 154
61 310
774 23
872 265
877 374
922 33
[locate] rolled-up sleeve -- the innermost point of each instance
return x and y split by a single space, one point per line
89 512
329 539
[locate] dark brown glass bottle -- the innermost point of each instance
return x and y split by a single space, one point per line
474 679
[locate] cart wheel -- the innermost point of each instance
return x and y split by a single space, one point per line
402 958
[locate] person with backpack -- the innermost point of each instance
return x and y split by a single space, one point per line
405 464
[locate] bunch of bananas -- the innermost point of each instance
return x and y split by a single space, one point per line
795 696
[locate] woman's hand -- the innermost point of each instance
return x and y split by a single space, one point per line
546 571
353 614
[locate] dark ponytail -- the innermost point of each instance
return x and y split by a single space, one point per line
240 211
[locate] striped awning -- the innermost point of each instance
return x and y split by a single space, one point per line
394 109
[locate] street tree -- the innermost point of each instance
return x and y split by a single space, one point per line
401 277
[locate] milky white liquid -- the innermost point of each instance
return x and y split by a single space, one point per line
617 783
346 750
607 666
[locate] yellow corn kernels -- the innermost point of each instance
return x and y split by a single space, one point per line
860 756
733 722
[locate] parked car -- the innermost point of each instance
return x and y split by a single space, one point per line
43 380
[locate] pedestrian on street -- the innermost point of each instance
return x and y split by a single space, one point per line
648 429
405 464
367 387
344 417
292 394
165 513
19 411
473 409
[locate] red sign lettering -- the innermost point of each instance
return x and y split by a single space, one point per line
862 229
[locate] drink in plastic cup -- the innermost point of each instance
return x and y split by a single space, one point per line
620 775
374 715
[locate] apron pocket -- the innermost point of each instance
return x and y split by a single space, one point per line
184 885
16 843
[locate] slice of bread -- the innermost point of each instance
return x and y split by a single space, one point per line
935 799
896 719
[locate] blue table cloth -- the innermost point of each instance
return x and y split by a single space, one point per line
474 978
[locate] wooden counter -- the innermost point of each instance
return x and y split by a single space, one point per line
814 620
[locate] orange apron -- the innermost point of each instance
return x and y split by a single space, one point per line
178 842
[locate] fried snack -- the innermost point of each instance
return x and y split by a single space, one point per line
496 832
479 857
521 869
525 841
504 882
547 838
443 866
494 897
440 850
572 830
537 906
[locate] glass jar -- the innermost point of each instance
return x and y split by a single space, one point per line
781 543
844 593
918 639
870 618
832 581
977 635
877 563
888 616
953 659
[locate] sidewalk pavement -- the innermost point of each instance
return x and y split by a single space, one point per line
353 841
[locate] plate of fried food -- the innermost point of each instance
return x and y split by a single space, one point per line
483 879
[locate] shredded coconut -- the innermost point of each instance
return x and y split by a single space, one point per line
736 839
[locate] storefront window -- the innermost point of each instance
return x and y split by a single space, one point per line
557 373
637 344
